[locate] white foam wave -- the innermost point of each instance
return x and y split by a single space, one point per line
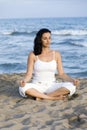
70 32
8 32
83 44
14 32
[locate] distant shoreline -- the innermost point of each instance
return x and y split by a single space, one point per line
21 74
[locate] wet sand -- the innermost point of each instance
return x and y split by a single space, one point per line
17 113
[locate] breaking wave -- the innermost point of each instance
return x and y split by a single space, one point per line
70 32
56 32
18 33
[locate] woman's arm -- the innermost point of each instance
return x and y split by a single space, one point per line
30 64
61 73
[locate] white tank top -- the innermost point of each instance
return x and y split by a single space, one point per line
44 71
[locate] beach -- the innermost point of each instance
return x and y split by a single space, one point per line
18 113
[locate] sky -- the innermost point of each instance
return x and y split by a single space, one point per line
42 8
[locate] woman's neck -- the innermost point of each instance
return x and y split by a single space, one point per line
46 50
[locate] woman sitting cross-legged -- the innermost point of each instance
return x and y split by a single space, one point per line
40 80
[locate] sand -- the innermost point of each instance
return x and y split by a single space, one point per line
17 113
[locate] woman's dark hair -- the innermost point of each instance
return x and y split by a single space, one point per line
37 41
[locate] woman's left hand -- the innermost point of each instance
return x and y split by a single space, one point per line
76 82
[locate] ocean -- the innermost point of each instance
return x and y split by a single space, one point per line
69 36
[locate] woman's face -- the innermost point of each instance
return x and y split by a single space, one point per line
46 39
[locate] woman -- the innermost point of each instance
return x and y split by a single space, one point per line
43 62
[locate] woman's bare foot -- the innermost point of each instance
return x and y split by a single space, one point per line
62 97
38 99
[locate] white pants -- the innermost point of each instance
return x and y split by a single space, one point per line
47 87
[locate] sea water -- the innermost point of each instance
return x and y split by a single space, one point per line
69 37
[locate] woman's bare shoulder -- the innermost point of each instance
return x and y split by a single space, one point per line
31 55
57 53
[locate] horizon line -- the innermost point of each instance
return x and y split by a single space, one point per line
45 17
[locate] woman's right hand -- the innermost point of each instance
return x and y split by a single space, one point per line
22 83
